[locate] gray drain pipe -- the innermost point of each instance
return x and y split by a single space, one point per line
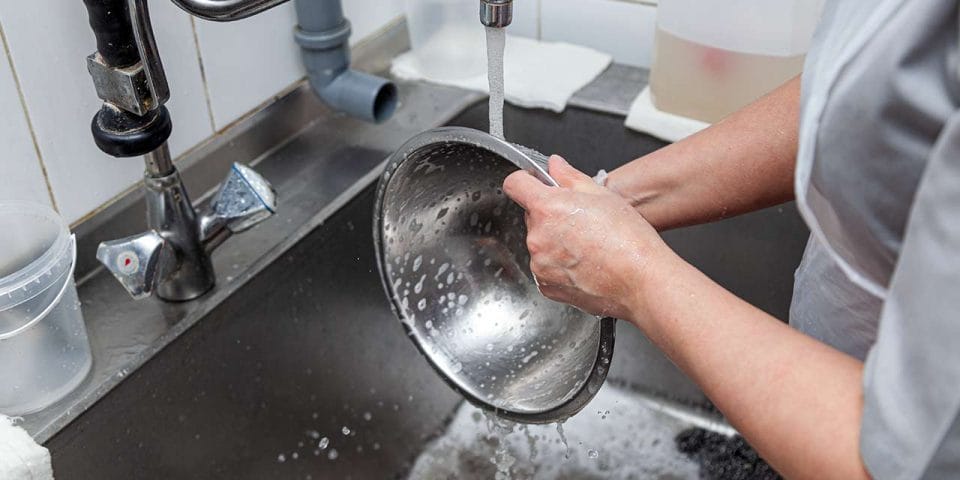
323 34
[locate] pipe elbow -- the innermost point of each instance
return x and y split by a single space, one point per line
359 94
323 36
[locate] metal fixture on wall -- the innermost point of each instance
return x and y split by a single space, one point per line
171 259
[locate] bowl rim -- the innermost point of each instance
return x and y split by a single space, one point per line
535 163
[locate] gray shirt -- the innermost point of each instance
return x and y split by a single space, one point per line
878 181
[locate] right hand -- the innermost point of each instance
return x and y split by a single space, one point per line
589 248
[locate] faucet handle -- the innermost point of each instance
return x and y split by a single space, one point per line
245 199
137 262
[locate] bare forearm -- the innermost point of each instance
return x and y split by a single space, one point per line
740 164
796 400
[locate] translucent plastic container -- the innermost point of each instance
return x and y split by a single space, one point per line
44 350
447 38
713 57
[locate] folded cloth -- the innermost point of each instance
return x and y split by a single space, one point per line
20 457
645 117
536 74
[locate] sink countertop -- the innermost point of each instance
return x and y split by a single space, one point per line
317 160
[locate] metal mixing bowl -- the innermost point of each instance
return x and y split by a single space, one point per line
453 260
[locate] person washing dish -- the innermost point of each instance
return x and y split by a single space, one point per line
867 382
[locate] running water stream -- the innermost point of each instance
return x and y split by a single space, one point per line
496 44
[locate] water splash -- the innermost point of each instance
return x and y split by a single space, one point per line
563 440
635 441
498 429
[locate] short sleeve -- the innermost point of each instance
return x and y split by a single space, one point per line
910 423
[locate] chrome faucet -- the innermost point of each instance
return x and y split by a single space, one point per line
171 259
496 13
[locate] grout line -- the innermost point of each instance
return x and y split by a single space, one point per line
203 75
26 116
539 19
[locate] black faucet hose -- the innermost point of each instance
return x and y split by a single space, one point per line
111 25
116 132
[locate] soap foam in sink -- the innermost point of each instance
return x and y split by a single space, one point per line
632 441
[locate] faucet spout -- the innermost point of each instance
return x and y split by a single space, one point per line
496 13
226 10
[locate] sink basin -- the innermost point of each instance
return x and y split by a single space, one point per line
309 349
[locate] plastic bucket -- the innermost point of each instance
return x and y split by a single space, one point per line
44 350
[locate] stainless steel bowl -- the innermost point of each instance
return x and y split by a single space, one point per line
453 260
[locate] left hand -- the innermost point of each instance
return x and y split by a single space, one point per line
588 246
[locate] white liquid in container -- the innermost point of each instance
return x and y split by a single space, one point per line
708 83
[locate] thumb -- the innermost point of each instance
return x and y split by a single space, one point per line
525 189
569 177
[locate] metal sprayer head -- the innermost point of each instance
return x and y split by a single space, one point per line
496 13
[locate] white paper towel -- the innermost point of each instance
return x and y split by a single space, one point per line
645 117
20 457
536 74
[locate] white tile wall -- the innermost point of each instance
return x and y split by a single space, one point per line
217 72
622 29
369 16
21 176
249 60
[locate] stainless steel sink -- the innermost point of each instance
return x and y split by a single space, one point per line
309 348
